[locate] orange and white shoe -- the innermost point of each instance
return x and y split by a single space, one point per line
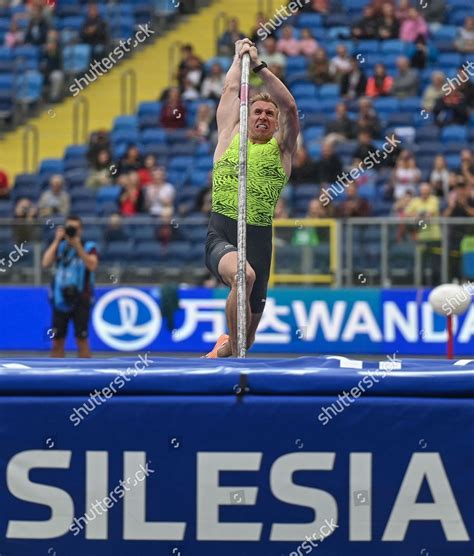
220 342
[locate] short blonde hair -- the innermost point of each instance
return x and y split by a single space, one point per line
264 97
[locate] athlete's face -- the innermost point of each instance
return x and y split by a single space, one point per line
263 121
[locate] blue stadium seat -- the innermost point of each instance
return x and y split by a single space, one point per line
26 180
368 46
51 166
309 20
149 109
181 163
393 46
75 151
122 27
224 61
329 90
148 253
450 59
178 251
454 133
340 29
30 191
29 87
203 163
176 136
410 105
453 161
152 136
108 194
386 104
199 178
127 136
72 22
314 150
126 122
313 133
182 149
82 194
143 233
304 91
6 209
84 207
119 251
76 58
76 178
299 63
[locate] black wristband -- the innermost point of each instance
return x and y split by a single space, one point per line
260 67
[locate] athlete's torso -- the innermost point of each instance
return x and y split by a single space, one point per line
265 181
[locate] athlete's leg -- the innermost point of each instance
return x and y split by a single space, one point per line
254 321
228 272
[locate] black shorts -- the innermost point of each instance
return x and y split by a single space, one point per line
79 316
222 239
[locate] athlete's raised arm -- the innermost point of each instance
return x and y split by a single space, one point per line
288 121
228 111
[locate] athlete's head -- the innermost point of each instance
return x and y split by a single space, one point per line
263 118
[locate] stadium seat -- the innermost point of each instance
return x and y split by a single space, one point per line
75 151
119 251
454 133
299 63
108 194
148 253
151 136
393 46
304 91
312 133
199 178
76 58
309 20
386 104
51 166
125 123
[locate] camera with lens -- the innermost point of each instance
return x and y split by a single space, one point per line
71 231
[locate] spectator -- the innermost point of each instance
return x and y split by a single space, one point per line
55 201
434 91
114 230
465 40
424 207
205 123
131 161
329 166
94 32
14 37
131 197
288 45
407 82
422 54
100 173
226 42
173 111
25 214
308 44
190 92
451 109
405 176
194 73
37 31
189 63
380 84
145 173
367 27
413 27
388 26
342 128
4 186
272 56
316 6
367 119
466 87
318 70
214 83
317 210
467 167
304 169
364 145
98 141
340 64
160 195
260 21
353 206
353 84
435 11
377 6
402 10
460 205
399 209
51 66
439 177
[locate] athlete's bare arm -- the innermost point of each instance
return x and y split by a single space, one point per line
228 111
288 120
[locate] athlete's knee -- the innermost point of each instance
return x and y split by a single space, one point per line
250 278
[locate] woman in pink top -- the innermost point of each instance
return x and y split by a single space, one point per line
14 37
413 26
308 44
288 45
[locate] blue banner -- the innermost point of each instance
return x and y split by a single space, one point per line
176 457
306 321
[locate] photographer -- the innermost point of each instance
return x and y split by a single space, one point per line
72 285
